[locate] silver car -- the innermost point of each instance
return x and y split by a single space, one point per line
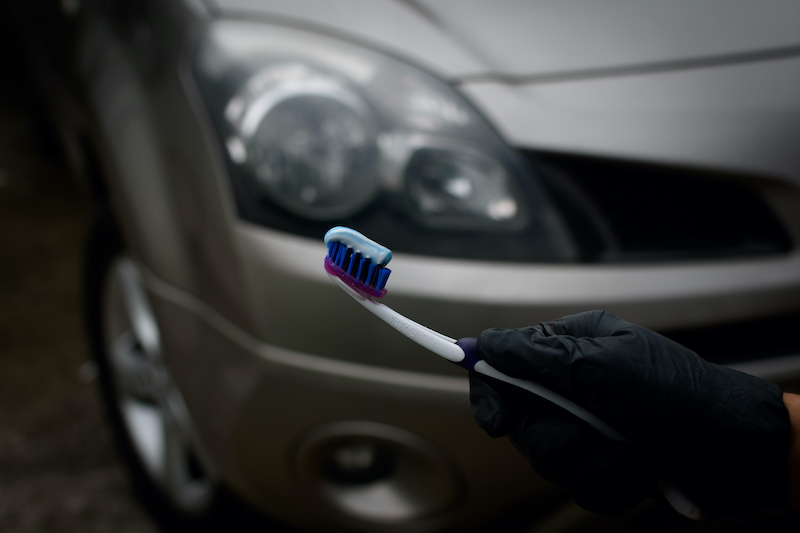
523 160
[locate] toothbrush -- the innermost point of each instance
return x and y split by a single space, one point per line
358 266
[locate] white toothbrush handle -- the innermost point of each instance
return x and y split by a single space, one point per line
432 340
482 367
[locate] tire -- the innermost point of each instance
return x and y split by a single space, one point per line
150 420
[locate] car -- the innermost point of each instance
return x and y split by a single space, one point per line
522 160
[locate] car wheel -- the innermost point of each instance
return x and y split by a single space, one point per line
147 411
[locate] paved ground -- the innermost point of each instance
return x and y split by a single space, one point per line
58 468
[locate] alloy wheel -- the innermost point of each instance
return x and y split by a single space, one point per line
151 407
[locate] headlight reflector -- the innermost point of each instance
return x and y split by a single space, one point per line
455 188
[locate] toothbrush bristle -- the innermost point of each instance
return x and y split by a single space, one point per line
358 271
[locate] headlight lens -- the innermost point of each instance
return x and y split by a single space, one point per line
318 130
452 188
306 140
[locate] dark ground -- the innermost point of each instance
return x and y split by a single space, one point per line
58 467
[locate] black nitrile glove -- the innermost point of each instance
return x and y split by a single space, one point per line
720 435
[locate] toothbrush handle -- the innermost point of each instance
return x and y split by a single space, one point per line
472 361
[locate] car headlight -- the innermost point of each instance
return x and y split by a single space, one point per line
317 130
306 139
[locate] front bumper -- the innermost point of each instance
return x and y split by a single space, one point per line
317 370
267 415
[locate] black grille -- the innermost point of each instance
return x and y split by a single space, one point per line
631 211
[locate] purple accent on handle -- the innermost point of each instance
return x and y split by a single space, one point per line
470 347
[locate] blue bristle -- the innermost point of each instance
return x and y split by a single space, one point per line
340 255
352 265
358 267
383 275
362 267
346 259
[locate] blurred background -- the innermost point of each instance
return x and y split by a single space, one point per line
59 471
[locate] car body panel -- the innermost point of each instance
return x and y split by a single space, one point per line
739 118
257 387
599 94
382 23
453 296
532 38
519 38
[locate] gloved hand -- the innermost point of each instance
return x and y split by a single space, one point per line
720 435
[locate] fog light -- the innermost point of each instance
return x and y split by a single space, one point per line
358 463
377 473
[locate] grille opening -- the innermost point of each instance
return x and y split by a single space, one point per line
628 211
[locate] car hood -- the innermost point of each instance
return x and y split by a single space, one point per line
707 84
468 38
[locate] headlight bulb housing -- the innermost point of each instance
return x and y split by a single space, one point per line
317 130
